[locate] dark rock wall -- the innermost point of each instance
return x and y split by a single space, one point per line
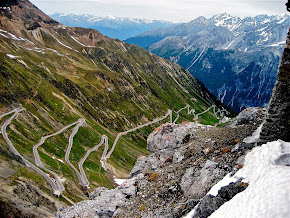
277 123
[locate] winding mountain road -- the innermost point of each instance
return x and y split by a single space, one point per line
55 182
37 157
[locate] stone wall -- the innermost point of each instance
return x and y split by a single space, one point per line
277 123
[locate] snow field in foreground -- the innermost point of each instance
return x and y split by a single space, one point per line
267 171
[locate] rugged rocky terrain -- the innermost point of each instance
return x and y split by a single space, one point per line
57 78
236 58
187 160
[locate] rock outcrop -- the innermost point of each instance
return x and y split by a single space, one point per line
248 115
277 123
170 135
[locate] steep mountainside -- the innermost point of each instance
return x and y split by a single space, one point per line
73 85
113 27
237 59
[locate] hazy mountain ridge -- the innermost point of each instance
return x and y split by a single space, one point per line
237 59
114 27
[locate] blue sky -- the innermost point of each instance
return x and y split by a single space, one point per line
172 10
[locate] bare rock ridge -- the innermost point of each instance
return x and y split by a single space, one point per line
277 123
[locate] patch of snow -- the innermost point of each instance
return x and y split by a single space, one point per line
36 49
262 29
224 182
63 44
60 160
266 21
12 56
268 192
281 21
1 34
12 36
88 46
55 51
264 33
255 136
265 40
119 181
230 44
278 44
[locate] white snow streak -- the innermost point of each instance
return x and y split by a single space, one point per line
255 136
12 56
196 58
63 44
88 46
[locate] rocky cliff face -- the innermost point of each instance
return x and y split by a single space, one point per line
277 123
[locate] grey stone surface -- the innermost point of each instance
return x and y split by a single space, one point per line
196 183
248 115
211 203
169 136
103 202
277 123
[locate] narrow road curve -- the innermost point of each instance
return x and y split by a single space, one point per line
82 180
104 139
196 116
131 130
56 189
10 112
37 157
177 112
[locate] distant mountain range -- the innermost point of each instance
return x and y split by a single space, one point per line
236 58
113 27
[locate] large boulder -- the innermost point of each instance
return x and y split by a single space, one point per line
170 136
196 182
